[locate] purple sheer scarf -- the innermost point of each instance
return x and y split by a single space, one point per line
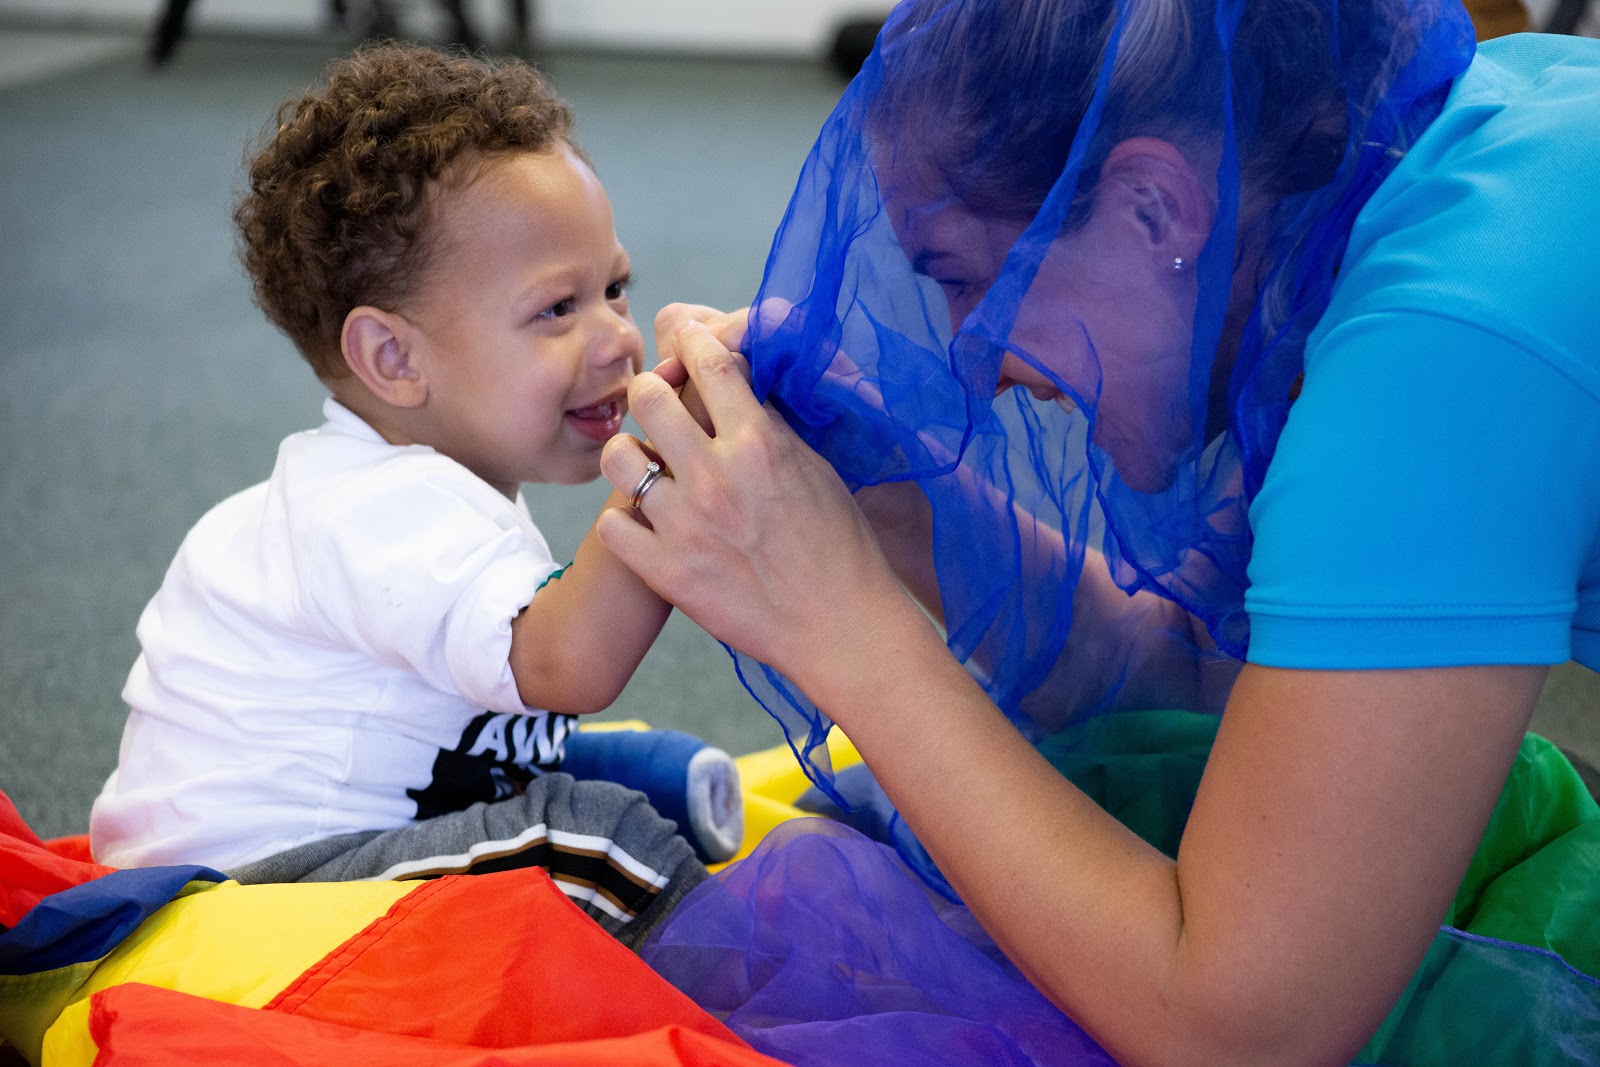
822 948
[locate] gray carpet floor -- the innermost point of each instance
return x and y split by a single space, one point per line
138 386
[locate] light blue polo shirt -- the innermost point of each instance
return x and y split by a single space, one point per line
1435 497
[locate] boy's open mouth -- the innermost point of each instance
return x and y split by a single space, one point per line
599 422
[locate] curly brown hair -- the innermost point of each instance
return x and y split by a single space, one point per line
336 215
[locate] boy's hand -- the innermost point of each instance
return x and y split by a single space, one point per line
727 327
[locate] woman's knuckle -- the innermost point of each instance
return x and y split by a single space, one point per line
717 362
759 450
646 395
715 496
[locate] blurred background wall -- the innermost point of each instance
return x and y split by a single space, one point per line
746 27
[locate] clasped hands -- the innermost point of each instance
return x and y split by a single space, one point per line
753 536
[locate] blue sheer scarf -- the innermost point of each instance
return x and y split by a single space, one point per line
944 221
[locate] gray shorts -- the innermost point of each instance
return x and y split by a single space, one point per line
603 845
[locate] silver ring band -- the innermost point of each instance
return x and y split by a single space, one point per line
652 472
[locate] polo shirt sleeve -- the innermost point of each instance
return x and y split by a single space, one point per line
423 567
1432 502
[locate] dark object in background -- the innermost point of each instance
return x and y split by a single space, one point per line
1496 18
374 20
465 34
168 30
1565 17
852 42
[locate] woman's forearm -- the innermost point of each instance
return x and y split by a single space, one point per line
1313 873
1103 923
902 520
1152 640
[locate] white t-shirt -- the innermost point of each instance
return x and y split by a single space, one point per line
327 654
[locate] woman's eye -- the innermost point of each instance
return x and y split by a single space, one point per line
559 309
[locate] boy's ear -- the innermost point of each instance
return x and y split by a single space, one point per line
378 348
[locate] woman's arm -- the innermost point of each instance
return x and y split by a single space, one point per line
1153 640
1150 644
1317 861
1332 826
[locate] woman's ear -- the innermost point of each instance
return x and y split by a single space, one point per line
380 349
1150 186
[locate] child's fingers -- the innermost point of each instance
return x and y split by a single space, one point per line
675 314
672 371
671 318
730 328
771 314
727 326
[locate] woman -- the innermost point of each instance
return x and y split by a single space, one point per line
1065 267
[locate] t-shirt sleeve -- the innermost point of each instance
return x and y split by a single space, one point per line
1432 502
424 568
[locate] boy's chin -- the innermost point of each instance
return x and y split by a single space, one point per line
573 474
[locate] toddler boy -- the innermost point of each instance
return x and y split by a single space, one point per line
366 666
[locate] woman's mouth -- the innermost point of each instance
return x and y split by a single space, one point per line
598 422
1042 391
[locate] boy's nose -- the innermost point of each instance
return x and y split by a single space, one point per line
617 338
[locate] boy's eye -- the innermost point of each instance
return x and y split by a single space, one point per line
559 309
618 289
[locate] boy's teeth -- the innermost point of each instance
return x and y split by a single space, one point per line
598 411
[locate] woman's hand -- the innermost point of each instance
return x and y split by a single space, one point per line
753 536
728 327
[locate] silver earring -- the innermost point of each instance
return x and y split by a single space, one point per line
1177 263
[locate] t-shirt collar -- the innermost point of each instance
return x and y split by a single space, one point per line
344 421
